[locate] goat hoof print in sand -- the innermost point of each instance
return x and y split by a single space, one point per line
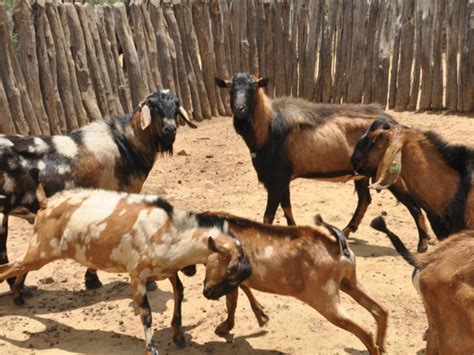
151 285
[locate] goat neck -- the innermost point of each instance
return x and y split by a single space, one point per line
146 141
255 128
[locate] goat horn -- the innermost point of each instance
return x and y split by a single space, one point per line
185 117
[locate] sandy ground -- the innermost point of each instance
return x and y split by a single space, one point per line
213 171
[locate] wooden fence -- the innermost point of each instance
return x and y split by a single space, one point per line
61 64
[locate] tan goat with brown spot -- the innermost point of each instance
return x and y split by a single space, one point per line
142 235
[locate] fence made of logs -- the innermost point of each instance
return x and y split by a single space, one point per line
65 64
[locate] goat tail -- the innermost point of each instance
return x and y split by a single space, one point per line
338 234
379 224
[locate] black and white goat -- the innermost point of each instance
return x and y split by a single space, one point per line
114 154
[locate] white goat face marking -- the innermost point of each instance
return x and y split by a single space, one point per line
9 184
268 252
65 146
28 198
5 142
330 287
41 165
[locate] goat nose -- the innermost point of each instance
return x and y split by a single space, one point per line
240 108
169 130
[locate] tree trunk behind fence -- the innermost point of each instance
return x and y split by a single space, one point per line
29 60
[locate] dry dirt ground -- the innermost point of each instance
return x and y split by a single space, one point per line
216 173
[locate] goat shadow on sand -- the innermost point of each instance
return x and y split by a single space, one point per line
362 248
355 351
62 337
43 301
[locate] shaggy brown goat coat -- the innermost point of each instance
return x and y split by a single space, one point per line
141 235
290 138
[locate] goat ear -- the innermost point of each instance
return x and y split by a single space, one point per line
214 247
182 112
145 118
262 82
390 167
222 83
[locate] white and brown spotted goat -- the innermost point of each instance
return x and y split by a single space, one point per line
291 138
444 277
139 234
303 262
114 154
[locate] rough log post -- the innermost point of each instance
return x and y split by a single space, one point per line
285 13
47 69
110 67
136 82
465 76
382 54
252 28
193 52
78 50
162 44
425 59
269 57
302 39
415 84
138 35
235 36
278 49
102 71
314 20
452 55
75 91
260 37
184 88
324 82
193 86
151 48
6 120
395 55
122 87
369 57
345 51
29 61
63 79
356 72
227 35
294 49
204 36
244 43
219 48
339 66
438 25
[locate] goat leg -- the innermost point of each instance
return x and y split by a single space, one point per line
92 280
141 299
178 293
274 194
257 308
363 203
286 206
3 245
226 326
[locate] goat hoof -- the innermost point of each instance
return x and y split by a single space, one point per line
151 350
189 270
11 282
262 319
151 285
422 247
223 329
179 340
19 301
92 282
29 291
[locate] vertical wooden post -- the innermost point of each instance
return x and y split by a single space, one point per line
452 55
395 56
415 84
383 37
235 36
302 39
425 59
357 53
252 33
438 25
465 94
278 49
314 20
244 43
151 48
374 14
269 56
6 119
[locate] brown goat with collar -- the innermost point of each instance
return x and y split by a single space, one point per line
303 262
291 138
138 234
114 154
444 277
438 175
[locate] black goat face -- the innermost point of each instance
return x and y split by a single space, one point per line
160 110
243 89
366 146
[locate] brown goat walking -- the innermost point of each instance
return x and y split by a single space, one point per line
438 175
291 138
303 262
445 279
139 234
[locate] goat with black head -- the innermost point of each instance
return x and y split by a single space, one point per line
290 138
114 154
438 175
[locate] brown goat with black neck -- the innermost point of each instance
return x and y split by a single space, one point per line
444 277
438 175
291 138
